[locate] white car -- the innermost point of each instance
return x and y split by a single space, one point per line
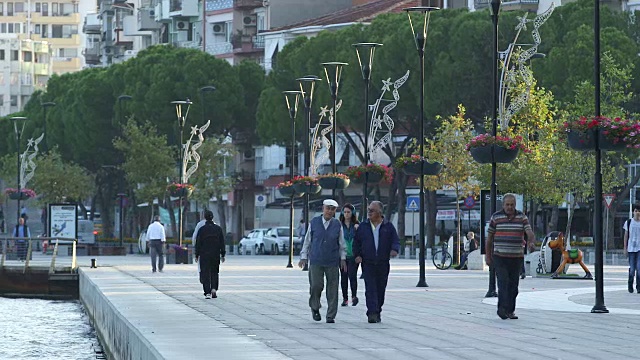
280 235
253 240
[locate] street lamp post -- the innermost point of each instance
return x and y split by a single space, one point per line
420 37
44 109
495 14
122 98
307 87
292 98
121 218
366 52
203 90
18 131
599 306
333 73
182 118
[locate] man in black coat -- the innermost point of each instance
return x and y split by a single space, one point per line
210 252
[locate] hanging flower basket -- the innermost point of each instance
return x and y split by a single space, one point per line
23 194
333 181
505 148
502 154
306 184
581 140
377 173
410 165
613 134
180 190
289 191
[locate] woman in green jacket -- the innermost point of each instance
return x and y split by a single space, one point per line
349 226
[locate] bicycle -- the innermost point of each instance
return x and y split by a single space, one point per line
442 259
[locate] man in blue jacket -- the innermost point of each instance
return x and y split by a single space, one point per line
375 242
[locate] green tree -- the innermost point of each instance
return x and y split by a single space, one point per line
57 181
213 178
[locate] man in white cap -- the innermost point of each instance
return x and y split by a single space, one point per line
324 248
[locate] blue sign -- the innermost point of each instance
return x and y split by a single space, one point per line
469 202
413 203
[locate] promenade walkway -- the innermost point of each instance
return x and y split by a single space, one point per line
262 313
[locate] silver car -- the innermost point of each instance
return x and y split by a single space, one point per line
280 236
253 242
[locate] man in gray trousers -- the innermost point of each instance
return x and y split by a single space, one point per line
324 248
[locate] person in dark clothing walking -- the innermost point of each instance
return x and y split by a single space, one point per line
21 231
505 252
210 253
350 224
375 242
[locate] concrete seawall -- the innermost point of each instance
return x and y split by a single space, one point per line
136 320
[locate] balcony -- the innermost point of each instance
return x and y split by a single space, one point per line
92 25
247 43
42 69
216 5
91 58
37 18
523 5
183 8
247 4
147 20
219 48
187 44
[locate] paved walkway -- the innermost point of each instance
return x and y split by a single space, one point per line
264 307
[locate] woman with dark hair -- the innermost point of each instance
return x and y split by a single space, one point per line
350 224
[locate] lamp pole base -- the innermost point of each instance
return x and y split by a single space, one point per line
422 283
600 309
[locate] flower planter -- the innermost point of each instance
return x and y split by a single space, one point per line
334 183
433 168
374 178
308 189
289 191
582 140
19 196
184 192
482 154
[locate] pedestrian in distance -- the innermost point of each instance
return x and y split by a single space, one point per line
210 253
194 237
375 242
324 250
157 239
470 244
21 231
632 247
504 250
350 224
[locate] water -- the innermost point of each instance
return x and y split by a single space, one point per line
45 329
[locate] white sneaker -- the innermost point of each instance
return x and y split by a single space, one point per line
207 296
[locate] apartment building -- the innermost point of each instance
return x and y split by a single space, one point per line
25 66
57 23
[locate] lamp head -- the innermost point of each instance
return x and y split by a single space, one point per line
209 88
366 52
291 98
420 34
333 74
495 8
307 87
124 97
179 104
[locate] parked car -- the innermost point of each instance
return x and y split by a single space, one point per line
253 240
280 235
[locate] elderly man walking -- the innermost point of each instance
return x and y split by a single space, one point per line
504 250
324 249
376 241
157 239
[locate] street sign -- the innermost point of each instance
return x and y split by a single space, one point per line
469 202
608 199
261 201
413 203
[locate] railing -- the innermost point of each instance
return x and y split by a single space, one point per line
29 250
220 48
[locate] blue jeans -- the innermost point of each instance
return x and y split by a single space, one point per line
634 268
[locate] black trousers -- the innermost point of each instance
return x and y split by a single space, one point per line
209 273
375 285
349 276
508 277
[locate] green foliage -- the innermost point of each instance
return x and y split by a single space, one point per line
148 159
58 181
212 177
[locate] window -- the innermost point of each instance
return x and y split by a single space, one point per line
14 100
67 9
19 7
27 56
54 9
38 7
10 28
1 54
45 31
45 9
1 9
3 28
1 100
14 55
37 29
67 52
56 31
9 9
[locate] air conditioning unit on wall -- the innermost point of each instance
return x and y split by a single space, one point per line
248 154
219 28
249 20
181 25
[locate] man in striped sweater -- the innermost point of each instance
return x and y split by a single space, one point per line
505 252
